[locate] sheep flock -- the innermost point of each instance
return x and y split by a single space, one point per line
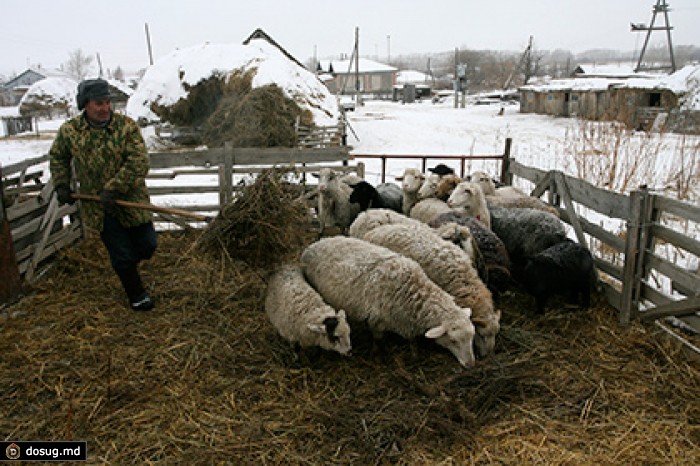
429 258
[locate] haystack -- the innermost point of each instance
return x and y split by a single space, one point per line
268 222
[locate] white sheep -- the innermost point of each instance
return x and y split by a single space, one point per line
411 181
508 196
429 187
449 267
334 190
300 315
373 218
469 198
388 291
425 210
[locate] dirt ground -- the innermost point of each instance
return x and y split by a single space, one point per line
205 379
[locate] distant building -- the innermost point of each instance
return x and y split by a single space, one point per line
13 90
640 101
369 78
412 85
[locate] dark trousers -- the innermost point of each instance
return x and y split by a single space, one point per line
127 247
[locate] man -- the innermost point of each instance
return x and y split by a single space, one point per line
110 159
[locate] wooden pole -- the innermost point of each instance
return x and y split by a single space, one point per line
151 207
10 284
148 42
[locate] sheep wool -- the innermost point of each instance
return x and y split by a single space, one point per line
426 209
389 292
450 268
300 315
373 218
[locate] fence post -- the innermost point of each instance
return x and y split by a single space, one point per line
629 303
506 175
10 285
226 177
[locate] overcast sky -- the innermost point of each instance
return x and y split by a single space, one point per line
46 31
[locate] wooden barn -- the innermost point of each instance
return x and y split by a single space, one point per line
368 77
641 102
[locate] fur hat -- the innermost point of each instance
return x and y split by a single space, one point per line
92 89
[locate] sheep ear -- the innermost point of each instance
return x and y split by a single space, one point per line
318 328
316 175
435 332
479 322
398 178
341 314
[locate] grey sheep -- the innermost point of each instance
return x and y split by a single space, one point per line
334 190
491 248
300 315
388 291
526 232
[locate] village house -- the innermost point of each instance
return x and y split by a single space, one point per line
640 101
13 90
368 77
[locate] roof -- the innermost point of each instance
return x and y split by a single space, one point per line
412 77
260 34
348 66
40 73
608 70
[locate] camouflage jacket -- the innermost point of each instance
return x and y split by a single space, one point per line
113 158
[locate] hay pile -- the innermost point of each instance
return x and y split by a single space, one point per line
268 222
230 110
204 379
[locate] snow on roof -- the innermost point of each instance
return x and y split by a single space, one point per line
412 77
365 65
57 89
682 81
608 70
164 82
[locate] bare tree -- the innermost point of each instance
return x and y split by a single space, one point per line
78 64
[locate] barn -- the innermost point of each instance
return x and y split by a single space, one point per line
641 102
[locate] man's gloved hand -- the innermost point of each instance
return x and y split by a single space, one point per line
108 198
64 194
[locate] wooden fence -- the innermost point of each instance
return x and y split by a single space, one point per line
34 226
639 281
16 125
631 272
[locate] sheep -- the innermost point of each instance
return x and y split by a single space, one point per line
389 292
411 181
468 197
426 209
427 190
384 196
491 248
373 218
299 314
526 232
451 269
446 185
335 208
462 237
564 268
508 196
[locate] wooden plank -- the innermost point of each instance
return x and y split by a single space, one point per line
46 224
55 243
10 285
563 189
627 303
534 175
612 295
542 185
679 208
680 308
677 239
613 270
683 278
18 167
602 201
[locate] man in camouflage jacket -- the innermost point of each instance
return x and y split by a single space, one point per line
110 159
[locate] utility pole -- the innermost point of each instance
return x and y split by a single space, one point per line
99 63
456 80
357 66
148 42
660 7
388 49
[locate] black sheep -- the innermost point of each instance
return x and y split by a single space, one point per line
566 268
384 196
